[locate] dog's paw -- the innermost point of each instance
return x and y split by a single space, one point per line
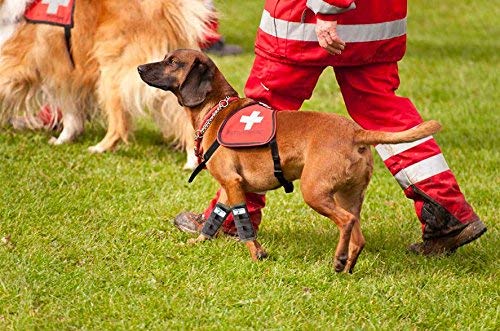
340 263
96 149
55 141
190 166
191 162
200 238
261 254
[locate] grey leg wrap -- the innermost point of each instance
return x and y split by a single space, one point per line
215 220
243 224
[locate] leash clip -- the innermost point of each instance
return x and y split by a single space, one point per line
223 103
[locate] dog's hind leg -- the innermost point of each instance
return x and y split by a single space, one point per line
318 194
352 200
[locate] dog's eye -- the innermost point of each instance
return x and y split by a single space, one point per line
171 60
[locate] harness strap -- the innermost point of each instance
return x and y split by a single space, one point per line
203 163
67 38
278 172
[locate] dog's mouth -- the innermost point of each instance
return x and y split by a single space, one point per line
150 78
155 84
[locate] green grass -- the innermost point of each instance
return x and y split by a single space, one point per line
92 245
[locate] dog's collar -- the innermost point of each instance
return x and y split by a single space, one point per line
207 120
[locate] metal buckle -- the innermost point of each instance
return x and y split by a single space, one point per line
224 103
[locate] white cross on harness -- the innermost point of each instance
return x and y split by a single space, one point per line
251 120
54 5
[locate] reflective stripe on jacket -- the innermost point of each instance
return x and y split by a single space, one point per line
374 30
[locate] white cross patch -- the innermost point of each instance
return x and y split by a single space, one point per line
251 120
54 5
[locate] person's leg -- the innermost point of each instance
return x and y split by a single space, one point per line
419 167
282 87
214 42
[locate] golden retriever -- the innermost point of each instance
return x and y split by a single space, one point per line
109 39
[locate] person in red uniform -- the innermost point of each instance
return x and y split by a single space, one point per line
363 41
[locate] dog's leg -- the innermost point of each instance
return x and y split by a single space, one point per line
118 122
73 126
213 223
352 200
356 245
192 160
318 194
246 232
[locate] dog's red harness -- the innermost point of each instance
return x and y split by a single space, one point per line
54 12
251 126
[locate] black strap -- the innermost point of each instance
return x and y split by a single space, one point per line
203 163
215 220
244 226
278 172
67 38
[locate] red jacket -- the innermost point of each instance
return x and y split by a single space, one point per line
374 31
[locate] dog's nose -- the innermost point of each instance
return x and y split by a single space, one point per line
141 69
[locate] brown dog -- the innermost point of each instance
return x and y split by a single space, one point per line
330 154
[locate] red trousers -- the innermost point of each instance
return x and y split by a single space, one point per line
370 99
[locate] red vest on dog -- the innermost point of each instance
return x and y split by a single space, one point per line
56 12
254 125
251 126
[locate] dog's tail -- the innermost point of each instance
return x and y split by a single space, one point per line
422 130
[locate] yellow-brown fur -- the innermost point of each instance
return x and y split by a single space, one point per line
330 154
109 39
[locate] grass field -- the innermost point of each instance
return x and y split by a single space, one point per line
88 241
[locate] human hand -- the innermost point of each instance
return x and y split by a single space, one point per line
326 31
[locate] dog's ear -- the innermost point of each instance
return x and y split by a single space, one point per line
196 85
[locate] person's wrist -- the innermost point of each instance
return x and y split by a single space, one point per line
326 17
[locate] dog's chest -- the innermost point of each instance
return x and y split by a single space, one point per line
252 126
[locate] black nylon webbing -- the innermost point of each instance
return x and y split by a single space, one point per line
67 38
278 172
203 163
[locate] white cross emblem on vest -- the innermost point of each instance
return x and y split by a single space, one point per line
54 5
251 120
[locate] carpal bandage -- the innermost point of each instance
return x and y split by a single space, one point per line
215 220
243 224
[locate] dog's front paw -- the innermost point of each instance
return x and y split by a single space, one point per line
53 141
97 149
191 162
200 238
